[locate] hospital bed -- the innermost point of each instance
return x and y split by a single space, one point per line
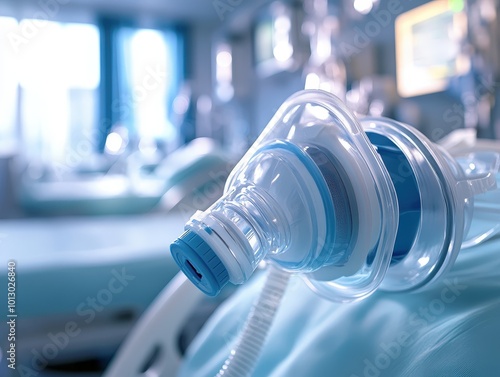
449 329
101 272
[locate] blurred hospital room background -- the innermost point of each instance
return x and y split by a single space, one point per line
120 118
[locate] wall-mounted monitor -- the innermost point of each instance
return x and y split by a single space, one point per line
429 43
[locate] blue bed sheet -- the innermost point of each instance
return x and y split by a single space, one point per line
451 328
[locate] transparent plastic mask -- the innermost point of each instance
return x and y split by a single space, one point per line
348 205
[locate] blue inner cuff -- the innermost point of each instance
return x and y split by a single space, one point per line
407 192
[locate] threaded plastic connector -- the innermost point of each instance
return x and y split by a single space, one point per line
199 263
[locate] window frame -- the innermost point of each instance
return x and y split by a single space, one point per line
108 89
110 78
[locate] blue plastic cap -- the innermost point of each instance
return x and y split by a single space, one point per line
199 263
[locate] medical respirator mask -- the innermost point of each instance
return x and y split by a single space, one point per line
350 205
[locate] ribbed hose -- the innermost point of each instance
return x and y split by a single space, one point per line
241 362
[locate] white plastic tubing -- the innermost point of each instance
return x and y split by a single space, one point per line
241 362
